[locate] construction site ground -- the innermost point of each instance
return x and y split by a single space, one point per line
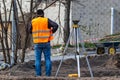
104 67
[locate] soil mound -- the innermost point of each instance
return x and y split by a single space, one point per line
104 66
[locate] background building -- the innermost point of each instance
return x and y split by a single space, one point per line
98 18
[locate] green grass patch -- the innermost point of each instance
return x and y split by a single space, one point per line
88 45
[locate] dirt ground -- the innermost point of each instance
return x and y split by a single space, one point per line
104 67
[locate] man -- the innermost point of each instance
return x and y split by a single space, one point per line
42 30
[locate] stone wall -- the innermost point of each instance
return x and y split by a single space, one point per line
95 17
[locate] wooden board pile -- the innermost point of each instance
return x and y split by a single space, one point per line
113 37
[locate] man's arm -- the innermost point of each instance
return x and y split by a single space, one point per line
52 24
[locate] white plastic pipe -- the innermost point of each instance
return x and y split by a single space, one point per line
112 20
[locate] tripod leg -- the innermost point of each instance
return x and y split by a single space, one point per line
78 65
89 67
76 40
83 48
59 66
77 50
63 54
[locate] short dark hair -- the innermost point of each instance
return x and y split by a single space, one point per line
40 12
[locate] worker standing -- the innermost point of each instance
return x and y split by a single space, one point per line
42 30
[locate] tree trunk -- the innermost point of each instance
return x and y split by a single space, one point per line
6 34
17 35
22 56
67 21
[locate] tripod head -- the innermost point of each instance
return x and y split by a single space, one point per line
75 23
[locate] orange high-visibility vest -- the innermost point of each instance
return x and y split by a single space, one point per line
40 31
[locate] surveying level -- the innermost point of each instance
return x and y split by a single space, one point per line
75 25
77 35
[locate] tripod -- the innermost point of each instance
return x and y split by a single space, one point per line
76 31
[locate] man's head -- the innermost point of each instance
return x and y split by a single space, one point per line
40 12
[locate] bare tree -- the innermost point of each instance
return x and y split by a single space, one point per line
27 34
5 32
67 21
1 39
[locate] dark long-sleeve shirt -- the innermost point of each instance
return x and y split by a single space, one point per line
51 24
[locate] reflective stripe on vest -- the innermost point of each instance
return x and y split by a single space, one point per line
37 32
40 31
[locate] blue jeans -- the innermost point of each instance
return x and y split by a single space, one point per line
46 49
